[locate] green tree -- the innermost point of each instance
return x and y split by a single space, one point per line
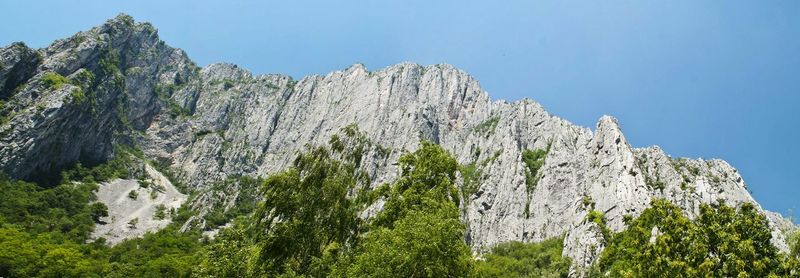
737 241
44 230
794 243
24 255
18 255
517 259
67 261
232 254
418 234
306 210
721 242
98 210
62 210
166 253
427 179
421 244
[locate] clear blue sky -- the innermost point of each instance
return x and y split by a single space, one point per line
711 79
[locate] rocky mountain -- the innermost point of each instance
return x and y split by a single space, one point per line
529 175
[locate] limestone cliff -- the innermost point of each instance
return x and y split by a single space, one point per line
209 123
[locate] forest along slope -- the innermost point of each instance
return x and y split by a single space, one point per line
526 175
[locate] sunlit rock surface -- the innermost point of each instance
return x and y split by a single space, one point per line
209 123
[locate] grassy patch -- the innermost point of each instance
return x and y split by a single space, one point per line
164 93
588 202
227 84
77 96
204 132
472 174
472 179
272 86
488 126
534 160
600 219
654 184
54 81
694 170
109 63
686 187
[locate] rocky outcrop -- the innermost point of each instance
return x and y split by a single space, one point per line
112 74
17 64
211 123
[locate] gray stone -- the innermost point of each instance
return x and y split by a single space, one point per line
122 209
210 123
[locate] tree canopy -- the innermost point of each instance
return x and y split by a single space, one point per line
305 213
517 259
418 234
722 242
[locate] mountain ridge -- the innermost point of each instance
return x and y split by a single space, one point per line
209 123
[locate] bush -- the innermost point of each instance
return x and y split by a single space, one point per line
77 96
132 224
109 63
654 184
588 202
472 178
145 183
227 84
133 194
83 77
244 204
161 212
488 126
54 81
98 210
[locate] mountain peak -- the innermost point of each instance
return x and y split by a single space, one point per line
206 125
121 19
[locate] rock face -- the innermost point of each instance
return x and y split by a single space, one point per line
210 123
115 67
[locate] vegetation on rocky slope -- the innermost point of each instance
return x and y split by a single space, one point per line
308 224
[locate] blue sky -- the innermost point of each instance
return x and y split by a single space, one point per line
711 79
